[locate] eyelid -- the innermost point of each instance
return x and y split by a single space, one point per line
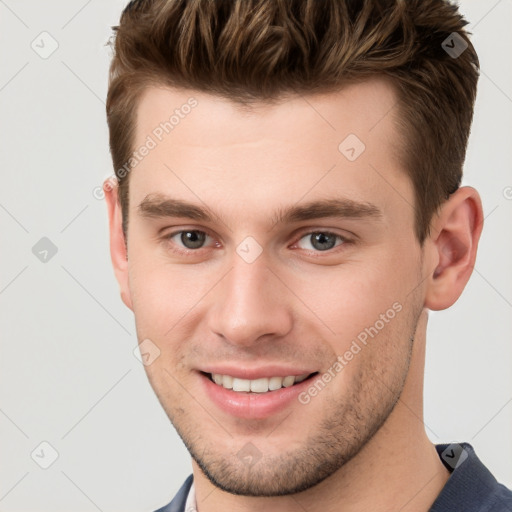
346 235
344 239
297 237
168 236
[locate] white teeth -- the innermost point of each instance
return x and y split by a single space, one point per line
275 383
227 381
257 385
288 381
241 385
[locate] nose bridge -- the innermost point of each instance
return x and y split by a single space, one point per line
248 304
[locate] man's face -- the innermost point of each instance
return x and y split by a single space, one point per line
267 283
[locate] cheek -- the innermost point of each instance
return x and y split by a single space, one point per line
351 298
151 298
162 293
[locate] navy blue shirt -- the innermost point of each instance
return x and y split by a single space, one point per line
470 488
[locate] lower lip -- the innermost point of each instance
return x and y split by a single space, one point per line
252 405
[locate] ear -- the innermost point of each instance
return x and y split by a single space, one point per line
118 248
453 243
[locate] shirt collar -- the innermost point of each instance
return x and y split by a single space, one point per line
469 480
190 504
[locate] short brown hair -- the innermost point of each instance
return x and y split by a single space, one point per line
259 50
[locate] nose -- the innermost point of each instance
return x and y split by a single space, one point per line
250 303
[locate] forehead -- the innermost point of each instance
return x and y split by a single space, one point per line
367 109
343 142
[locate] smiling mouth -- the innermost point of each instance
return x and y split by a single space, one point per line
262 385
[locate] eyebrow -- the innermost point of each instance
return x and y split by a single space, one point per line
160 206
157 205
344 208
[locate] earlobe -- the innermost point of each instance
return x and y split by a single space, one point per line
454 240
118 248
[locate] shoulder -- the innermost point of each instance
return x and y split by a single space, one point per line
178 502
471 486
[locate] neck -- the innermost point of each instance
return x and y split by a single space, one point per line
398 469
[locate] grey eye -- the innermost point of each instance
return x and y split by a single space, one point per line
191 239
320 241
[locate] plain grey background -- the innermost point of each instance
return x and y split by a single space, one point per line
68 373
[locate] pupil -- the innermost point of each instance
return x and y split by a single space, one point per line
322 241
192 239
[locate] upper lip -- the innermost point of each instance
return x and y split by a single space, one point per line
261 372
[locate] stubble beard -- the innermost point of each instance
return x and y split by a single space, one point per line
348 424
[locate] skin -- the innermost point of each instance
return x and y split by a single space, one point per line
361 441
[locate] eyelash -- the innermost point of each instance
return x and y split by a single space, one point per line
185 251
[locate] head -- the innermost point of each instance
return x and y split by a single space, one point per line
288 193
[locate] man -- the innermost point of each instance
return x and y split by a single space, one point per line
288 209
